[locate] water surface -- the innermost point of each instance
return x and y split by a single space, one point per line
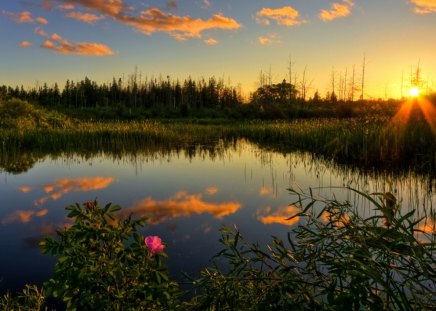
187 194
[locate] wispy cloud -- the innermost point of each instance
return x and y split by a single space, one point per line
38 30
63 186
206 4
66 7
210 41
24 44
24 17
23 216
181 204
212 190
287 16
337 10
172 4
85 17
78 48
155 20
424 6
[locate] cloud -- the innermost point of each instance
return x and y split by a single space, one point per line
172 4
61 187
280 216
206 4
181 204
85 17
42 20
66 7
424 6
23 216
63 46
155 20
211 41
25 189
25 17
287 16
212 190
265 191
38 30
337 10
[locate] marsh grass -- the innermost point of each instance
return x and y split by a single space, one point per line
369 144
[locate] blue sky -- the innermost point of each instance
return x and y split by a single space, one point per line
52 41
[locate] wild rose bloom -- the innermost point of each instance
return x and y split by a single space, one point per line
154 244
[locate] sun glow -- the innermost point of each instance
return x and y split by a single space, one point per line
414 92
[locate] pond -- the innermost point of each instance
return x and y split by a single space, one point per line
187 194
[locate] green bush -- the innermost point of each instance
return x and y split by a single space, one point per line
335 260
104 264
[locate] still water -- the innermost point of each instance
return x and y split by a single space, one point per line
187 195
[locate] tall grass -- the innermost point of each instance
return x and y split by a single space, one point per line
370 144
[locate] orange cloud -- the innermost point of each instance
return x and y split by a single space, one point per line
107 7
338 220
25 17
78 48
265 191
337 10
61 187
179 27
287 16
280 216
23 216
25 189
156 20
85 17
211 41
42 20
38 30
181 204
424 6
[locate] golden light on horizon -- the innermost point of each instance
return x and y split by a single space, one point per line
414 92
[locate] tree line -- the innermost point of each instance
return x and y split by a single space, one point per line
133 93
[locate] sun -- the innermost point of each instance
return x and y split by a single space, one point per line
414 92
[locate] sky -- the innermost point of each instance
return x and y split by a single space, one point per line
48 41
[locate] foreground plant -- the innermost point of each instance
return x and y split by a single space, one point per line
104 264
333 260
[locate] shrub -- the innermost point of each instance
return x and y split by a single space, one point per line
104 264
336 260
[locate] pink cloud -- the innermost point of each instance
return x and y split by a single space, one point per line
337 10
287 16
424 6
85 17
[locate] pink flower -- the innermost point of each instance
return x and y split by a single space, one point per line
154 244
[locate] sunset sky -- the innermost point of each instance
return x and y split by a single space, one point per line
52 41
